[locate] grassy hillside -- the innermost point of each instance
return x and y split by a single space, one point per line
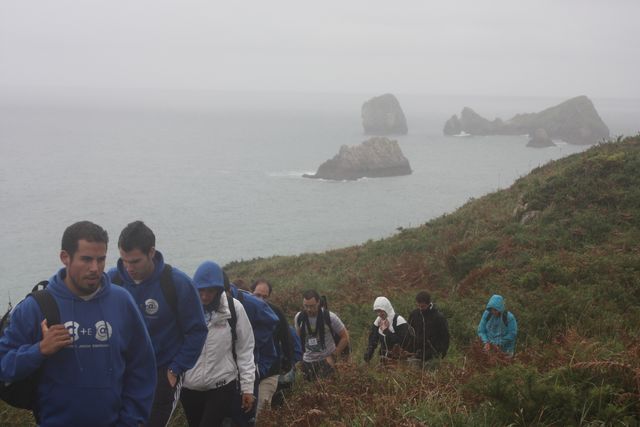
561 245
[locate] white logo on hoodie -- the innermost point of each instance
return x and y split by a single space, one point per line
103 330
151 307
72 327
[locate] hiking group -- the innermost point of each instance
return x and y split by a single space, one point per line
121 348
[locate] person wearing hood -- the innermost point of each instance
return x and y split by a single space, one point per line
226 363
97 367
172 313
389 329
431 329
498 327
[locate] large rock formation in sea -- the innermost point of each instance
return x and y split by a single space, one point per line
575 121
374 158
383 115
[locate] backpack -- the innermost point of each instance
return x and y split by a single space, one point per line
327 319
263 322
407 341
166 285
22 393
283 342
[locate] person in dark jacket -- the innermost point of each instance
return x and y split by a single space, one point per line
431 329
263 322
389 329
261 288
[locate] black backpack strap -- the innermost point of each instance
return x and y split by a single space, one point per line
232 324
302 319
394 323
169 289
505 318
117 279
48 306
326 314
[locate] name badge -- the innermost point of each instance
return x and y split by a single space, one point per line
312 341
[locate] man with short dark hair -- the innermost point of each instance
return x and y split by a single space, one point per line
431 329
171 309
97 367
316 329
284 347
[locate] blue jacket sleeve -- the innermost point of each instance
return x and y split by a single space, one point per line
482 327
297 345
20 345
191 323
139 381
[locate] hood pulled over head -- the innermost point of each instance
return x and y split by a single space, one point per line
208 275
497 302
382 303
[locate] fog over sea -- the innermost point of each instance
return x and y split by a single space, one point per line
218 175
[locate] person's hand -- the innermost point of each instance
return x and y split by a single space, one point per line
486 347
384 324
247 401
54 338
331 359
173 378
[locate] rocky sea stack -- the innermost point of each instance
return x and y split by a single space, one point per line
540 139
383 115
374 158
575 121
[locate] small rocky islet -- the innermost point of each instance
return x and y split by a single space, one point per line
374 158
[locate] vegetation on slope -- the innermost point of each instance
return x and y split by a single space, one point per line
561 245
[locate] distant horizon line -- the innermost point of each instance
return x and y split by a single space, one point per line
78 90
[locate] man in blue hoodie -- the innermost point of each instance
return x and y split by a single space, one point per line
97 367
284 345
172 312
263 322
498 328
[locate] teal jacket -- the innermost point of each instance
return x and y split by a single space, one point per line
501 330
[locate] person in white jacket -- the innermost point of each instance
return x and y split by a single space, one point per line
219 376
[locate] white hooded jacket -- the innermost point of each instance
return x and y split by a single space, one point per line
382 303
215 366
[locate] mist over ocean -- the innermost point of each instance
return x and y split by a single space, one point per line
218 175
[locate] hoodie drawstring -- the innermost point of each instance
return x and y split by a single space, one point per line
108 334
75 334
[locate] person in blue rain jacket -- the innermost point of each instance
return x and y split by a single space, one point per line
498 327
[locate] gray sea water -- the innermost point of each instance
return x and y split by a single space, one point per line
218 175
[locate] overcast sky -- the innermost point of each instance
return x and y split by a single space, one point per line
491 47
